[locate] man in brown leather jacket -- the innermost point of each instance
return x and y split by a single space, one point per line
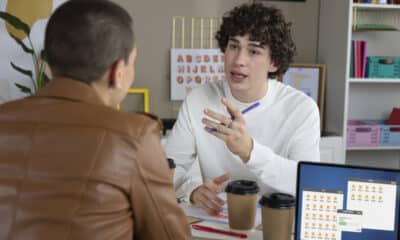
73 167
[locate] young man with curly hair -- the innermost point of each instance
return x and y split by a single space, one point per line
266 143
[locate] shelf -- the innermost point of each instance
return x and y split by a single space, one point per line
367 6
373 148
374 80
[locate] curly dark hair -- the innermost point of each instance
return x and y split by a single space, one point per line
265 24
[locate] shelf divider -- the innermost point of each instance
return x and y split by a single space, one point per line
376 6
374 80
373 148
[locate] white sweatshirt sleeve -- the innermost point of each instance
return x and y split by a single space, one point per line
180 146
279 172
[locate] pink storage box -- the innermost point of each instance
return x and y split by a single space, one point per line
363 133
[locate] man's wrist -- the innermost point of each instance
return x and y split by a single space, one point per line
192 193
247 153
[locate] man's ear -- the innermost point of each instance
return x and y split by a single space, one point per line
115 74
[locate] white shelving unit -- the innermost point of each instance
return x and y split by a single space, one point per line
358 98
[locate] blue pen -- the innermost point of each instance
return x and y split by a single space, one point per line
251 107
254 105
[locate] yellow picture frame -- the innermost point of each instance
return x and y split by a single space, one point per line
145 93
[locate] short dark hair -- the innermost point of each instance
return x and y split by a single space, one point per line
85 37
265 24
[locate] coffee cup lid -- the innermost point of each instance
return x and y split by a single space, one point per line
278 200
242 187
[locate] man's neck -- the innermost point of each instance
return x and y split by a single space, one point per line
103 92
251 95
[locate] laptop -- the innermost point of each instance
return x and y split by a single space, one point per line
343 202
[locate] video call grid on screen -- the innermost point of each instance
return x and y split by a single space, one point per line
339 202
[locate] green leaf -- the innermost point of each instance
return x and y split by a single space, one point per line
23 88
22 44
46 79
15 22
21 70
43 55
42 80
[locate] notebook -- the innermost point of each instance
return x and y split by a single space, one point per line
343 202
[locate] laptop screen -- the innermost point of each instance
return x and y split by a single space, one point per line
342 202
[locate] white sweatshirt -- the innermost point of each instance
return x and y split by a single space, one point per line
285 128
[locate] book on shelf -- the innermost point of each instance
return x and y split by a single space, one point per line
393 1
378 1
352 60
358 60
363 58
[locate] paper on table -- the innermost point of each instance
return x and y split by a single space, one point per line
196 212
193 211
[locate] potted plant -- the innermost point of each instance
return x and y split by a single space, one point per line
38 75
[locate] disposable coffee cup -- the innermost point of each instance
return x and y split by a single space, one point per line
242 203
277 216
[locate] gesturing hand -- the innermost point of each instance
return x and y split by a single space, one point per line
230 129
205 196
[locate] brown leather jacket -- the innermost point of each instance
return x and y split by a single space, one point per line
72 168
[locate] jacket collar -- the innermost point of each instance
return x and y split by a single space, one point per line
71 89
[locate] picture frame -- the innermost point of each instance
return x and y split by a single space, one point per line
310 79
144 92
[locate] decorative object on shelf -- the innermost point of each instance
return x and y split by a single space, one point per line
383 67
390 135
38 75
374 27
363 133
394 117
310 79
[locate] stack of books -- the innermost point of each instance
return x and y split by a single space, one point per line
358 61
378 1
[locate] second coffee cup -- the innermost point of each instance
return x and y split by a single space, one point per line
277 216
242 204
